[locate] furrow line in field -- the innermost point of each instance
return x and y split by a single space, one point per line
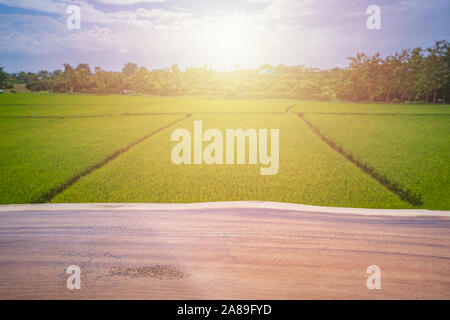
47 197
140 114
405 195
287 111
95 116
369 114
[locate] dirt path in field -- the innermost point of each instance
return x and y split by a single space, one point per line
211 251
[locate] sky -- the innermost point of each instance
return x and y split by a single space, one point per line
223 34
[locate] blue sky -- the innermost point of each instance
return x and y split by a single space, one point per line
221 34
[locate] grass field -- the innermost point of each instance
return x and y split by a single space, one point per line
82 148
411 151
38 155
47 105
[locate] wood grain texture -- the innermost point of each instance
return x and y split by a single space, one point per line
234 253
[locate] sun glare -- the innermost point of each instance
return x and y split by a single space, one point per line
227 43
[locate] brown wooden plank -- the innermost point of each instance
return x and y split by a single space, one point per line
234 253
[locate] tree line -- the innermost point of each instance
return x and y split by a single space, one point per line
409 75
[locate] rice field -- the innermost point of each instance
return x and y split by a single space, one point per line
51 105
413 152
84 148
38 155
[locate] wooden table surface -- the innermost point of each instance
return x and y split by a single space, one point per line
227 253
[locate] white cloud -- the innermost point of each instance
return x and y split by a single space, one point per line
259 1
123 51
129 2
306 32
39 5
158 37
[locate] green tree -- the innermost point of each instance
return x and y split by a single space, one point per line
5 80
129 69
